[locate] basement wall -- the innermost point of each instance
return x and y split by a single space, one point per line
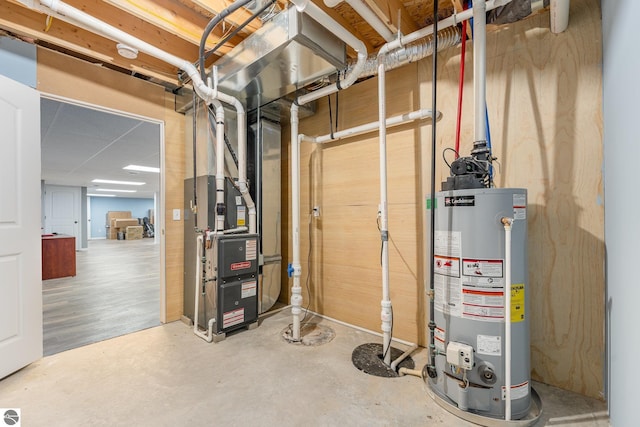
544 94
67 77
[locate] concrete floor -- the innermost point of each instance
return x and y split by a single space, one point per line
165 376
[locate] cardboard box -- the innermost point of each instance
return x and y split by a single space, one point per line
112 233
133 232
123 223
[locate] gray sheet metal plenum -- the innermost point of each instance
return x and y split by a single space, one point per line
286 53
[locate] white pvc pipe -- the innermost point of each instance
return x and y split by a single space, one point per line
507 222
385 311
559 15
368 127
403 356
480 71
296 289
208 337
407 371
367 14
219 228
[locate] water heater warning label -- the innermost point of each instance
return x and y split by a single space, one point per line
482 267
517 303
490 345
446 265
519 206
517 391
438 338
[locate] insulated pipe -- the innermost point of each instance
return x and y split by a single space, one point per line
368 127
385 313
559 15
479 70
220 205
208 337
296 290
296 269
367 14
507 222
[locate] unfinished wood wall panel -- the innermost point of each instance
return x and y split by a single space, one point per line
74 79
174 169
544 100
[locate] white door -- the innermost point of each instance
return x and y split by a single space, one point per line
62 211
20 245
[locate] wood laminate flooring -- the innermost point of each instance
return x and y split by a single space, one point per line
116 291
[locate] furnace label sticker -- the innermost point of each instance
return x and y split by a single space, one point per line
238 200
448 295
233 317
249 289
448 243
517 303
482 268
241 216
485 305
251 249
489 345
519 206
517 391
447 266
438 338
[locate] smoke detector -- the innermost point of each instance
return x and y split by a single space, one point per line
127 51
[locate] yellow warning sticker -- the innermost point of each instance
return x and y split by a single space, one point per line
517 302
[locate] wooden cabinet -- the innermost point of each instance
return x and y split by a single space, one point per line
58 256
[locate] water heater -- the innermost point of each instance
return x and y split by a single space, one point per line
469 265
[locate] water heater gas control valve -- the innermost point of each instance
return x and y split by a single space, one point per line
461 355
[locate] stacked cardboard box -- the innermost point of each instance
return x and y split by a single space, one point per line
134 232
112 232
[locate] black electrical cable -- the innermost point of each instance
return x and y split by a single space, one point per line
238 29
444 157
211 25
433 190
330 117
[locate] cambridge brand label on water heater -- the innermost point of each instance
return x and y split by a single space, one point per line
460 201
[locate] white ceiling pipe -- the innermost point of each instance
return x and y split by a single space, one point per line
480 70
559 15
368 127
367 14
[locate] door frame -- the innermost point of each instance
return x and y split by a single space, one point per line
159 215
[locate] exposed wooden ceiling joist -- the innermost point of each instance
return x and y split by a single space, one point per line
387 11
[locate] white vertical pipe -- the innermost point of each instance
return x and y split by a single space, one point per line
385 313
296 290
208 337
479 70
559 15
219 228
507 222
242 165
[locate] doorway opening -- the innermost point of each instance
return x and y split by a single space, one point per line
95 162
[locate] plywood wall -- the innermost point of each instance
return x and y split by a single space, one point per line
544 99
77 80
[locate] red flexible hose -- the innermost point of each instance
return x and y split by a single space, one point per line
461 85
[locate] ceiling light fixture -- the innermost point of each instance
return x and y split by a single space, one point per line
142 168
115 191
110 181
127 51
101 195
